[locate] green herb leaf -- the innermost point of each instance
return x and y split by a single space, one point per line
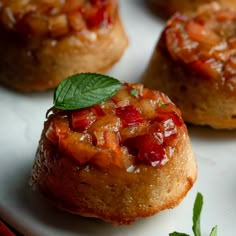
178 234
134 92
214 231
163 104
197 214
84 90
197 209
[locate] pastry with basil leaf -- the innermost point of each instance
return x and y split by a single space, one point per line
113 150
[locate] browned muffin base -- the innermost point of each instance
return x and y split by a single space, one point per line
114 195
42 66
201 100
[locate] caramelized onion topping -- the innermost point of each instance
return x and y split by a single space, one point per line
55 18
204 42
125 130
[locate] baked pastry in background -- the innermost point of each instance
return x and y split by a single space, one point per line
194 63
44 41
166 8
127 157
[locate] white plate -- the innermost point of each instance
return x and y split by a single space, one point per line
22 117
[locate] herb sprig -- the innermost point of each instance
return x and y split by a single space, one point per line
84 90
197 209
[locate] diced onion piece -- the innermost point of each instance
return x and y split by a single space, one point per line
58 25
38 24
72 5
76 21
105 123
79 151
147 108
122 98
111 140
51 134
100 140
133 131
201 34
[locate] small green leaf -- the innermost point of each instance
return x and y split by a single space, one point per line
196 219
163 104
214 231
134 92
84 90
197 214
178 234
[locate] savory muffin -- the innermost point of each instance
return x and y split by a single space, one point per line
194 63
127 157
167 8
44 41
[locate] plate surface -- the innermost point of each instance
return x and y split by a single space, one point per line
22 117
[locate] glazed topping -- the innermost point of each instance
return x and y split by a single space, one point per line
56 18
205 42
136 125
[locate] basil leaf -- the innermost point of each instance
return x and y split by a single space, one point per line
214 231
197 214
84 90
178 234
197 209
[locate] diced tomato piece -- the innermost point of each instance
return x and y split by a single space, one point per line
175 117
149 149
129 115
98 2
97 110
83 118
95 17
5 231
152 152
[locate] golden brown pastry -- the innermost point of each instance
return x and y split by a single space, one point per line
127 157
194 63
166 8
44 41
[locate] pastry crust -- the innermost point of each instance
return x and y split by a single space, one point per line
115 194
197 72
35 62
167 8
